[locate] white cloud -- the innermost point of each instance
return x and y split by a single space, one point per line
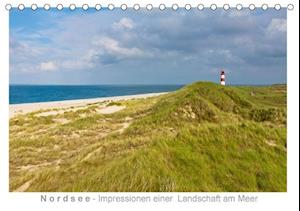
113 47
79 64
277 25
48 66
237 13
124 23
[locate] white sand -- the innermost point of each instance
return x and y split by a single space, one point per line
110 109
16 109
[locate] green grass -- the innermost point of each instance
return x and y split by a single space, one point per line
203 137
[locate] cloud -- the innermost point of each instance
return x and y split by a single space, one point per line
107 50
113 47
277 25
48 66
238 13
123 23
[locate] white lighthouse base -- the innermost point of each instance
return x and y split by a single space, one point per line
223 83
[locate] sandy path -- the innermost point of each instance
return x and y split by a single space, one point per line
16 109
110 109
24 187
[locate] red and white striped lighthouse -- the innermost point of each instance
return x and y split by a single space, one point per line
222 78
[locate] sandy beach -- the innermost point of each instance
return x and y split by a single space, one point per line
16 109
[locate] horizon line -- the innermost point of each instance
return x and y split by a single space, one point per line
146 84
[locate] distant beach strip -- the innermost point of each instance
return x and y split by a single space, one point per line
25 108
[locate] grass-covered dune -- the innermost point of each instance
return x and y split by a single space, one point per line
203 137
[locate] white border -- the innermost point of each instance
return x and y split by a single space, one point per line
267 201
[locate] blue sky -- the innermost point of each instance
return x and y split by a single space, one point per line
147 47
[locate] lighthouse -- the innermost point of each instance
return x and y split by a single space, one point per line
222 78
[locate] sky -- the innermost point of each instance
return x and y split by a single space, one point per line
147 47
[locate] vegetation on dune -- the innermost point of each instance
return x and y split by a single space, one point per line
203 137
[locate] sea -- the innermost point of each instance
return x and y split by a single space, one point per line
46 93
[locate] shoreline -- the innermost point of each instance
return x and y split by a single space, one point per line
24 108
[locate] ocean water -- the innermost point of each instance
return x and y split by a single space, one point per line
47 93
